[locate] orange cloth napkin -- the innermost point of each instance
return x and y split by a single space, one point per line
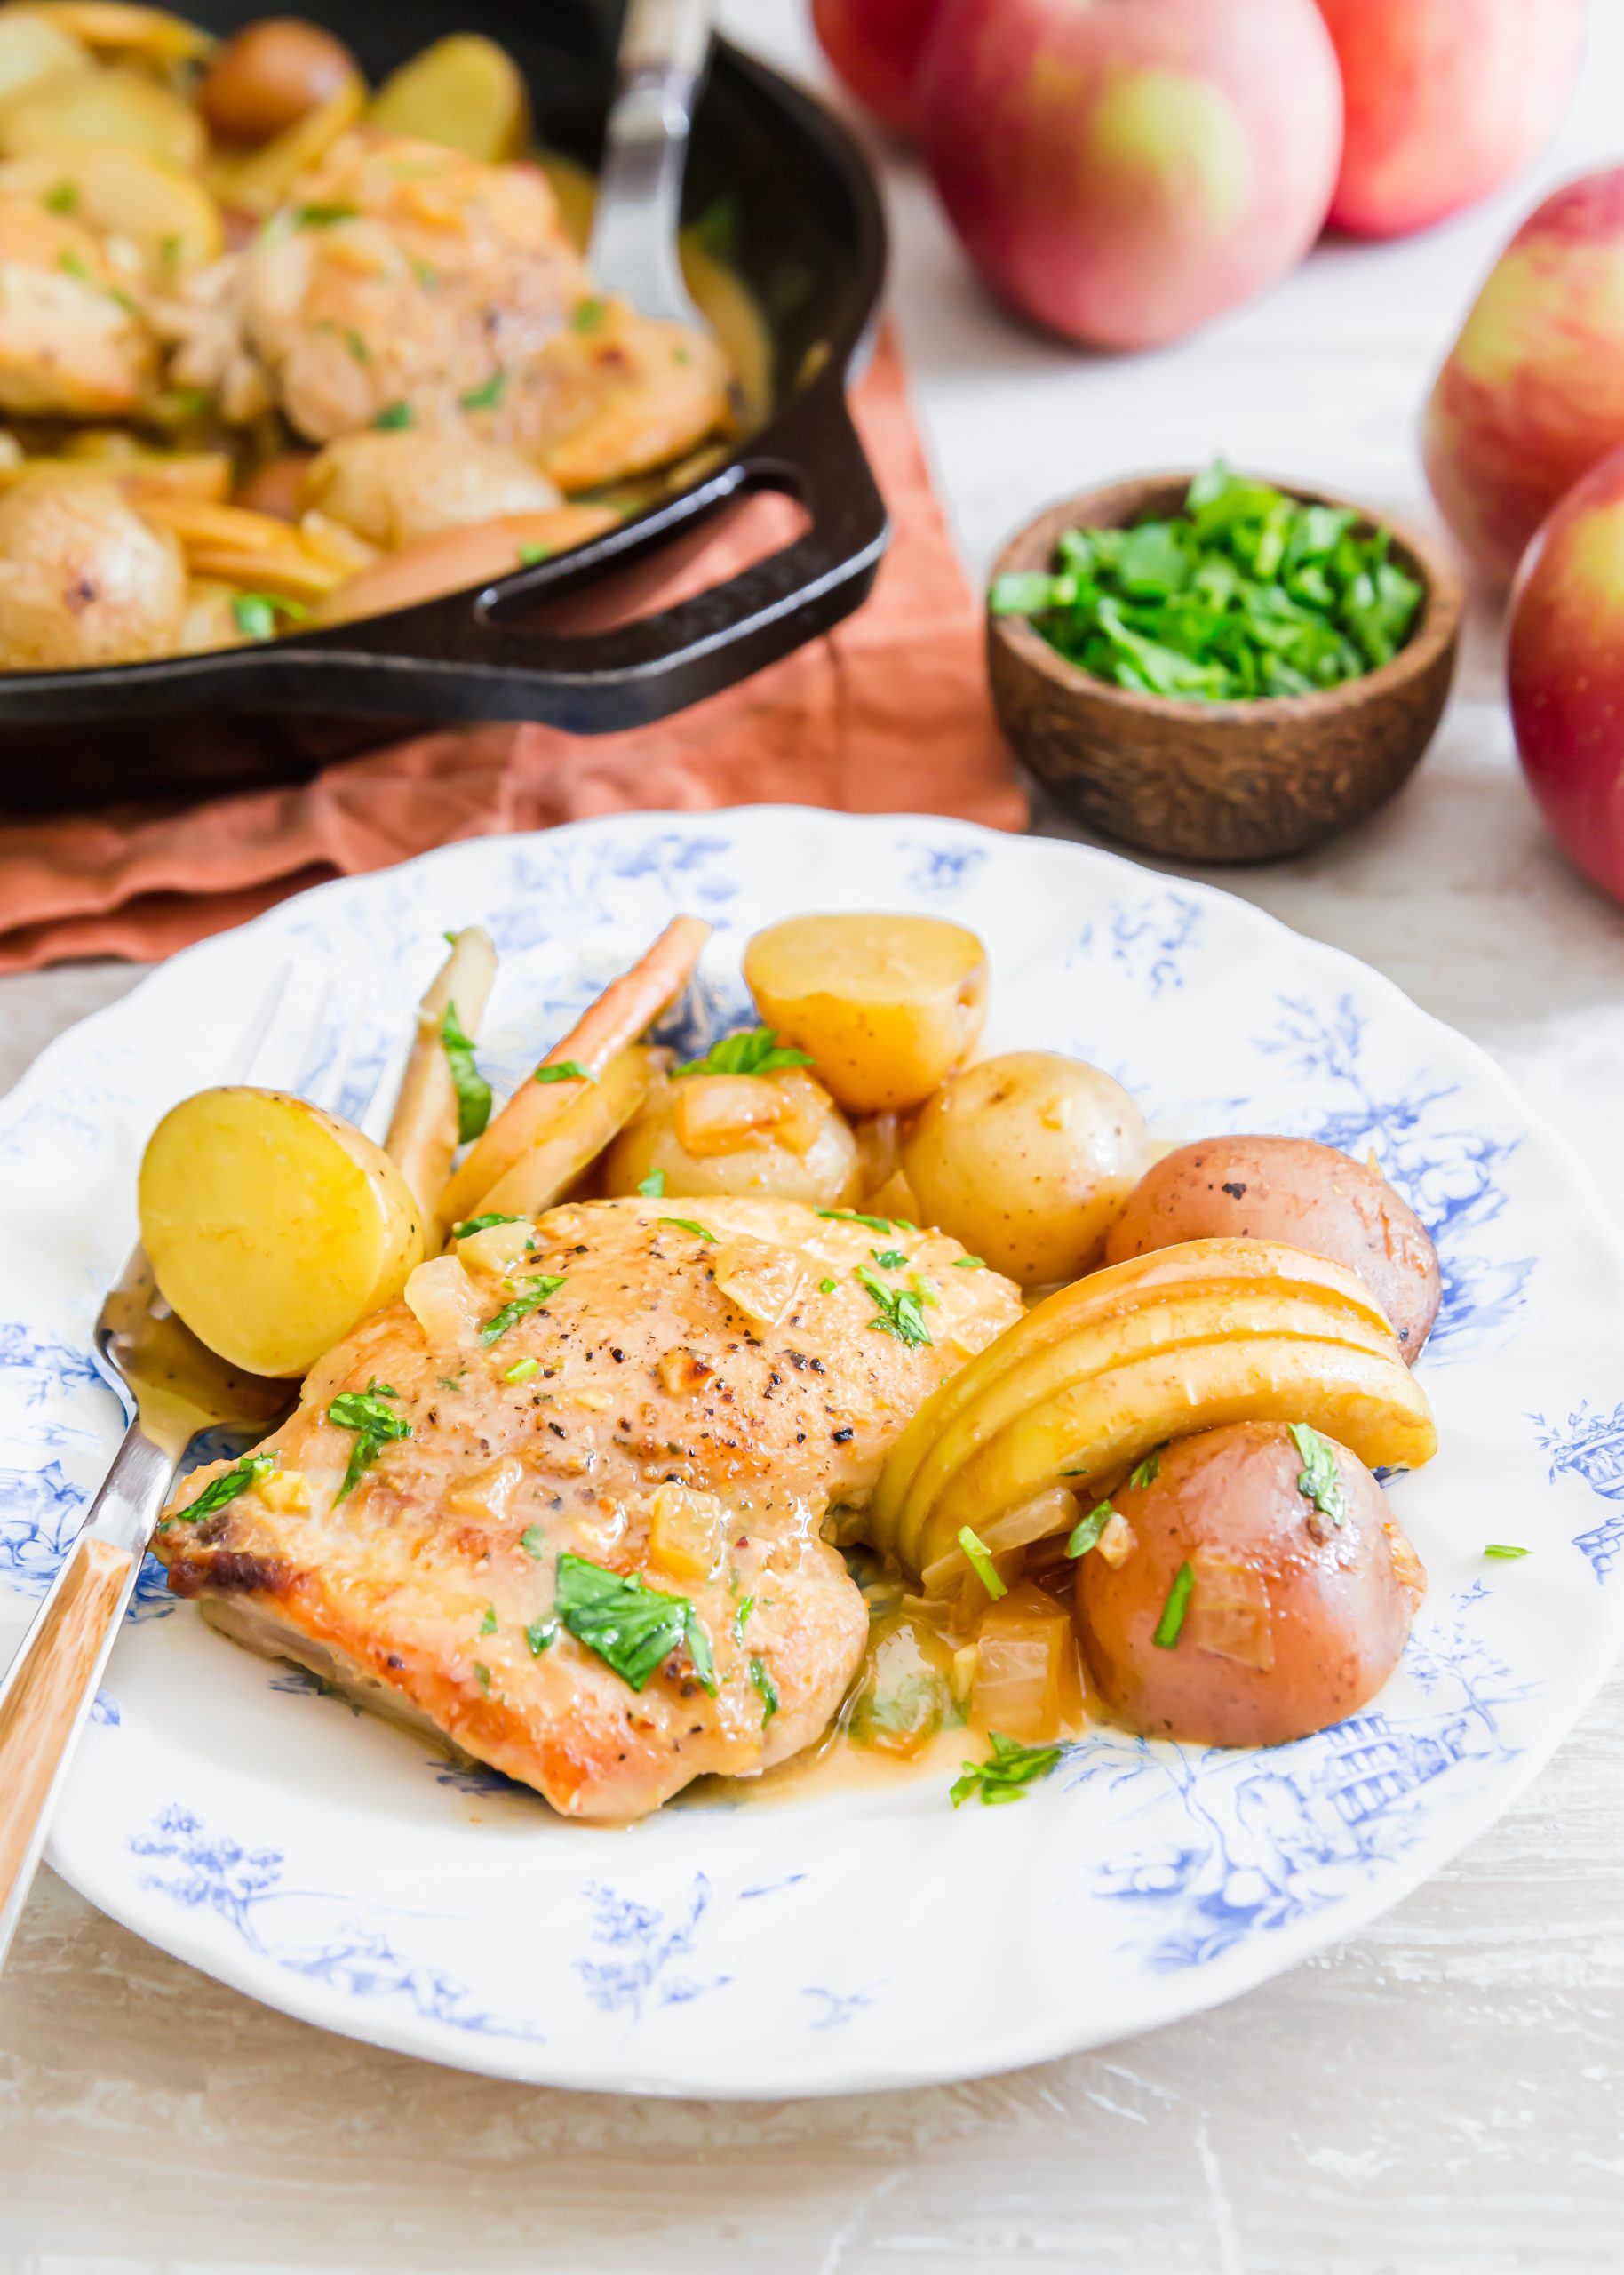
889 713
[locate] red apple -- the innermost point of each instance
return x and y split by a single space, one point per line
874 46
1533 392
1566 672
1124 169
1446 100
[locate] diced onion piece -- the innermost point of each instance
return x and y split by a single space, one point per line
1022 1648
804 1106
1117 1542
1229 1611
1052 1510
902 1703
444 1301
499 1249
718 1113
879 1151
1408 1569
765 1281
687 1532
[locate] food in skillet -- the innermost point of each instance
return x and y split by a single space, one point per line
598 1388
332 352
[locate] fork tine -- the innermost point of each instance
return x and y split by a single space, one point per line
256 1035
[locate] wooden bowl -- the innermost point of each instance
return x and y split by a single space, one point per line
1218 781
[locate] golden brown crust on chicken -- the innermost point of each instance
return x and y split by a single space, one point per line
695 1407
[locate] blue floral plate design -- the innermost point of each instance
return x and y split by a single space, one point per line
230 1812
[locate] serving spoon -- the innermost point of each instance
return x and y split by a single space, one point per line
633 252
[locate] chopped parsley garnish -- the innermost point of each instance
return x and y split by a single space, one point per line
653 1186
969 1264
1321 1481
1007 1772
538 1635
875 1224
481 1676
487 397
1247 594
73 263
687 1224
255 614
472 1090
426 273
392 416
564 1070
538 1287
888 1260
470 1225
170 252
741 1617
587 316
375 1425
357 346
767 1687
1086 1533
533 1541
1170 1626
632 1628
981 1562
225 1487
488 1624
63 198
827 1286
1149 1469
1496 1548
522 1370
756 1051
324 217
530 553
896 1310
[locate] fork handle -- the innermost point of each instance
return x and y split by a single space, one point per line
46 1691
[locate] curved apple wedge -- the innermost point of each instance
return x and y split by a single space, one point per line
1102 1425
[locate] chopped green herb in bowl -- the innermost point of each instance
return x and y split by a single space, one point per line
1244 594
1212 667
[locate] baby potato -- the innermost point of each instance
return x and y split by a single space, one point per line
84 580
116 106
269 76
777 1134
1309 1196
1027 1158
397 487
1295 1609
885 1006
272 1228
464 92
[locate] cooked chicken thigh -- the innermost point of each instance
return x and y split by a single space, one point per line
614 1395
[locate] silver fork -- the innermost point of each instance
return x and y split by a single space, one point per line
633 250
173 1389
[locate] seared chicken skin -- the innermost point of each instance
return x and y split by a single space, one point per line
409 285
679 1397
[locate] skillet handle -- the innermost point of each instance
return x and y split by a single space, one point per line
597 682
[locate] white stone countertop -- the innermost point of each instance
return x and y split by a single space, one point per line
1444 2092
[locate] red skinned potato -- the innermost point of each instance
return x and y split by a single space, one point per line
1445 100
1126 171
1533 392
1292 1620
1309 1197
1566 672
874 47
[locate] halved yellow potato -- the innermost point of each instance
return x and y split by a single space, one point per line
464 92
35 54
114 27
272 1228
166 213
888 1006
114 105
591 1121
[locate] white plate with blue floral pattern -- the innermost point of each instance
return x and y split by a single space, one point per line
322 1862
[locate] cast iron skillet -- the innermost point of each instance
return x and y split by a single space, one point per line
810 244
